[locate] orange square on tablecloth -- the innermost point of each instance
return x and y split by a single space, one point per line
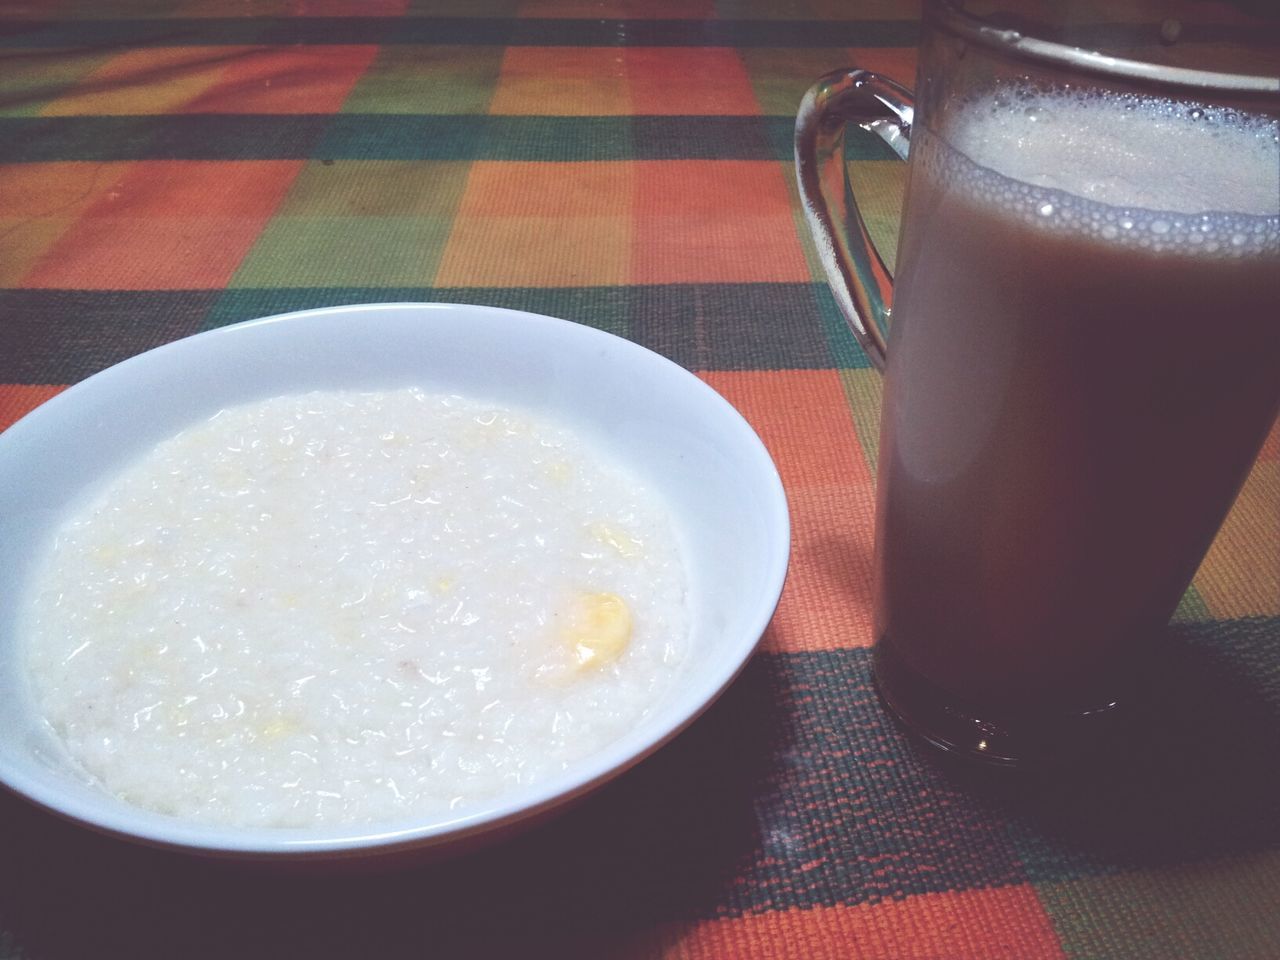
715 221
568 191
804 420
294 79
166 225
669 9
26 240
330 8
1240 575
689 80
617 9
39 202
562 81
568 9
1005 923
232 79
540 224
130 82
896 63
54 190
293 8
1271 446
17 400
829 599
196 188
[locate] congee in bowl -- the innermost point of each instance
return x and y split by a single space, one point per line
360 579
353 606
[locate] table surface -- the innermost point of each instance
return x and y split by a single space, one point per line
187 164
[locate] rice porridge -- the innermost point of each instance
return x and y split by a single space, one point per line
349 607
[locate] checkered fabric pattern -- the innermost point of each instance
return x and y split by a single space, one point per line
173 166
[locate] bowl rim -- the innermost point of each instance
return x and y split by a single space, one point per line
339 841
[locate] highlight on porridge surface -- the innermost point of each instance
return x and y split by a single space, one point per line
349 607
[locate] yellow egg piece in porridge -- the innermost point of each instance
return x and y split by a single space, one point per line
599 628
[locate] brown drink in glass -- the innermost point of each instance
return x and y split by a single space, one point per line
1083 361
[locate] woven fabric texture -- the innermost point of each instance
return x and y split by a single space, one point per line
172 167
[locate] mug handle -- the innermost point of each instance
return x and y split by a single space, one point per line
859 280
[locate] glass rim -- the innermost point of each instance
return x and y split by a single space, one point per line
947 15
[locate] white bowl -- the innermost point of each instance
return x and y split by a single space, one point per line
669 426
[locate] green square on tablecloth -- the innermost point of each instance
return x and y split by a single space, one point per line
364 223
35 79
781 75
1222 910
427 79
1192 608
376 188
864 389
376 251
879 185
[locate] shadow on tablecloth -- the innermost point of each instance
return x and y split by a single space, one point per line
1189 774
670 834
793 791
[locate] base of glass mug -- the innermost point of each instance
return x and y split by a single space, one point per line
995 739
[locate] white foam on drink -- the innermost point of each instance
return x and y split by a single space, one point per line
1163 174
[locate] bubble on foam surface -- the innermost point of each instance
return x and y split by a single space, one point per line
1160 174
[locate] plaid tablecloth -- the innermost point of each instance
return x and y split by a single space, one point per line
169 167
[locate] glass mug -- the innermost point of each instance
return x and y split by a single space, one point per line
1082 364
